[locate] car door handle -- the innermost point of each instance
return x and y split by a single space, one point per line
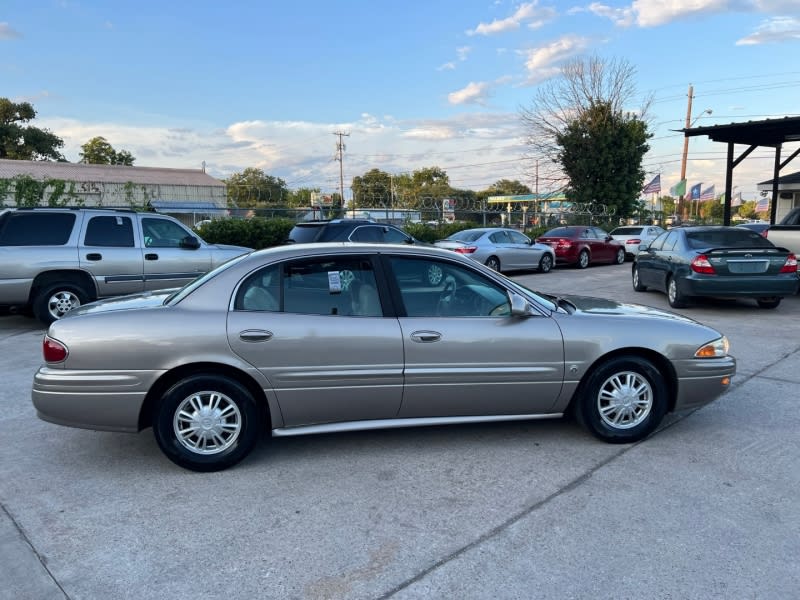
151 256
426 337
94 256
255 335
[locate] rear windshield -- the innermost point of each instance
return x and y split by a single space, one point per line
727 238
559 232
466 236
304 234
36 228
627 231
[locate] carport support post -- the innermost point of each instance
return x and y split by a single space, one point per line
777 173
726 211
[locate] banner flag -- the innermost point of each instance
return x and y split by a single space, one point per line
762 205
737 199
708 193
654 187
679 189
694 194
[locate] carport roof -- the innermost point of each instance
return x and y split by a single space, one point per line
768 132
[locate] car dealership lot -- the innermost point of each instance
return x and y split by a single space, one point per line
705 508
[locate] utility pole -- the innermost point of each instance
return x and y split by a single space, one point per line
340 157
686 149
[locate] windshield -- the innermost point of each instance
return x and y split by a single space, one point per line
735 237
304 234
627 231
466 236
180 294
558 232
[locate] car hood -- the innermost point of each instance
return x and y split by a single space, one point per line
227 247
143 300
603 306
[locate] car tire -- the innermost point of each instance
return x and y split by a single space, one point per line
583 259
493 263
769 302
674 296
545 263
637 284
54 301
620 256
207 423
622 400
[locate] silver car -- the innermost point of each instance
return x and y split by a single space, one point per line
501 249
315 338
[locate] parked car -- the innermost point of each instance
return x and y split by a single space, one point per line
501 249
349 230
334 340
55 259
757 226
715 261
635 235
582 245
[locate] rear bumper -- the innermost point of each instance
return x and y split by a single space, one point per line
747 287
101 400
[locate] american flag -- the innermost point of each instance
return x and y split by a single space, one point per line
654 187
708 193
762 205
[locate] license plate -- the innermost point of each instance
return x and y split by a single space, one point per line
748 266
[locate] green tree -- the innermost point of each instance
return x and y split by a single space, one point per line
373 189
601 153
252 188
97 151
748 210
19 141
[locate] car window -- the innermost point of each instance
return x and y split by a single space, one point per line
460 292
499 237
600 234
466 235
304 234
657 243
727 238
344 286
670 241
560 232
161 233
395 236
260 291
518 238
36 229
587 234
367 233
113 231
627 231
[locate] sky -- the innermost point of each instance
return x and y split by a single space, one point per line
415 83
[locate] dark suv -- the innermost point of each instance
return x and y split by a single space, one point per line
348 230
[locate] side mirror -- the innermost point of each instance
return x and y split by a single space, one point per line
609 238
520 307
190 243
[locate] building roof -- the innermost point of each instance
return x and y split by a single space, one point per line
106 173
768 132
790 181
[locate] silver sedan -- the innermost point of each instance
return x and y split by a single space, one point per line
315 338
501 249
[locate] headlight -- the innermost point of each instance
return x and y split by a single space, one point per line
715 349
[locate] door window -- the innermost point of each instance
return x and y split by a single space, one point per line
460 292
369 234
657 243
670 241
518 238
395 236
36 229
160 233
109 232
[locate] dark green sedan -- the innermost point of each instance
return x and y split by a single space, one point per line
715 261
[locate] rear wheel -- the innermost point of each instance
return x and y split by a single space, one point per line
54 301
769 302
545 263
207 423
583 259
637 284
493 263
674 296
623 400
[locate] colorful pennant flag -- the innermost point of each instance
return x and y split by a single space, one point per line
679 189
708 193
654 187
694 193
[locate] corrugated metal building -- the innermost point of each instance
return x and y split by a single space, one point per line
189 194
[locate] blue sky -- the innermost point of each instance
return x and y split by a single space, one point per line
415 84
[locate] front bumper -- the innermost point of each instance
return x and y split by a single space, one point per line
101 400
701 380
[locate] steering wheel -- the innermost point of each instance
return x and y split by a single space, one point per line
447 296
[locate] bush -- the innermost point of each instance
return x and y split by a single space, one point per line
431 233
256 233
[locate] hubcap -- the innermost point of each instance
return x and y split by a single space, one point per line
673 290
434 274
61 303
625 400
207 423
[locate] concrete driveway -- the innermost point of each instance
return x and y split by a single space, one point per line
705 508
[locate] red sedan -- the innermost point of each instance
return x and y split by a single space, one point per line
582 245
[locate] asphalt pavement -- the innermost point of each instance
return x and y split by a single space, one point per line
705 508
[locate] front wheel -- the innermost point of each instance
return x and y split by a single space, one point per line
207 423
623 400
674 296
545 263
54 301
583 259
769 302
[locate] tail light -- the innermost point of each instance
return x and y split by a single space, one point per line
764 233
53 350
790 266
637 242
466 249
701 265
564 243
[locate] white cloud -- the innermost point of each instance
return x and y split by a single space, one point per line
622 17
8 33
462 52
474 93
542 62
527 12
448 66
777 29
